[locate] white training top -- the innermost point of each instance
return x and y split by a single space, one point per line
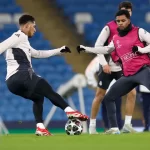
91 70
19 53
102 38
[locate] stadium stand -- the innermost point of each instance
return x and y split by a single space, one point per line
54 69
100 12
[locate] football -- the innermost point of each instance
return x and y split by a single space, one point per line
74 127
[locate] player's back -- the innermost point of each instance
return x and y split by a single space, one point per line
113 30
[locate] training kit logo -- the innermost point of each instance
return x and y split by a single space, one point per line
17 35
100 83
128 56
118 44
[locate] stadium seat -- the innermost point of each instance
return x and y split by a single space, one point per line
80 19
5 18
147 17
10 27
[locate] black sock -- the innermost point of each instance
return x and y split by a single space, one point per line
118 112
111 111
38 107
104 115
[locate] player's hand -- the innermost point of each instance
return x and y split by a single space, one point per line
65 49
106 69
80 48
134 49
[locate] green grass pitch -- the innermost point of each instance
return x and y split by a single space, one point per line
139 141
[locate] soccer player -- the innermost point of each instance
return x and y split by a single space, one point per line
94 69
21 78
110 71
129 45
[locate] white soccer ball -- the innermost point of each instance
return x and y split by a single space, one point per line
74 127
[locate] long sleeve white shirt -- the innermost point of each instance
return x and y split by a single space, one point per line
19 53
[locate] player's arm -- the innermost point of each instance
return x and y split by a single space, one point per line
102 38
49 53
97 50
12 41
91 70
144 37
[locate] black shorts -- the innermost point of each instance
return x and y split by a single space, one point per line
23 83
105 79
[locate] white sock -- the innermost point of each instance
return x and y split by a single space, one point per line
68 109
128 119
93 122
40 125
116 128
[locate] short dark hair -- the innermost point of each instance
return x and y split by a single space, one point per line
123 12
126 5
26 18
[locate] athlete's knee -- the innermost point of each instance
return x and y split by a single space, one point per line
109 97
41 100
131 96
100 93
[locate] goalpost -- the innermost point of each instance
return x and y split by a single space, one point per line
76 84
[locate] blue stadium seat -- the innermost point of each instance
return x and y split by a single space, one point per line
144 26
10 27
10 9
7 2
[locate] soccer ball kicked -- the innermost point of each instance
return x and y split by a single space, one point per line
74 127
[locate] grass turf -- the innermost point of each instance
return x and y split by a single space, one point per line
139 141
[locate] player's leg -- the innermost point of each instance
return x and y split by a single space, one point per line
146 109
103 84
95 109
44 89
104 116
129 108
143 77
118 103
144 72
118 89
38 114
37 107
16 86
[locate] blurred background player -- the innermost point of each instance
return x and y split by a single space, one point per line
92 72
110 71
